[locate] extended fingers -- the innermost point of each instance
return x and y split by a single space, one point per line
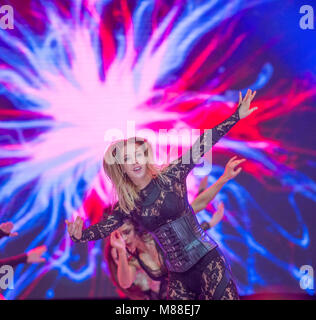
241 99
221 206
78 222
252 110
13 234
38 252
231 159
7 227
235 163
238 171
42 249
70 227
78 225
232 163
249 96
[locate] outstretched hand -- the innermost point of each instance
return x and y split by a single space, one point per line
230 172
75 228
244 109
7 227
35 255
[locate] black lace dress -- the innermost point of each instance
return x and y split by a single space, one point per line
196 266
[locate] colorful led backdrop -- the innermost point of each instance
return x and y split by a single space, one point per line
71 70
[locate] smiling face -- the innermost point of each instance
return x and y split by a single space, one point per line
133 174
135 162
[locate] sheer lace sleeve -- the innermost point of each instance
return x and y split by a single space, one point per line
185 163
104 228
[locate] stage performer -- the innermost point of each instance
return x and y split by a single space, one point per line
135 262
157 201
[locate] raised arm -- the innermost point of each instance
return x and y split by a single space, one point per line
98 231
126 272
185 163
205 197
216 218
5 230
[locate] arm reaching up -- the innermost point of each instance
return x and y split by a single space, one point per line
182 166
216 218
126 273
205 197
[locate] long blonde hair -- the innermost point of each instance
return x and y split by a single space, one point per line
126 190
